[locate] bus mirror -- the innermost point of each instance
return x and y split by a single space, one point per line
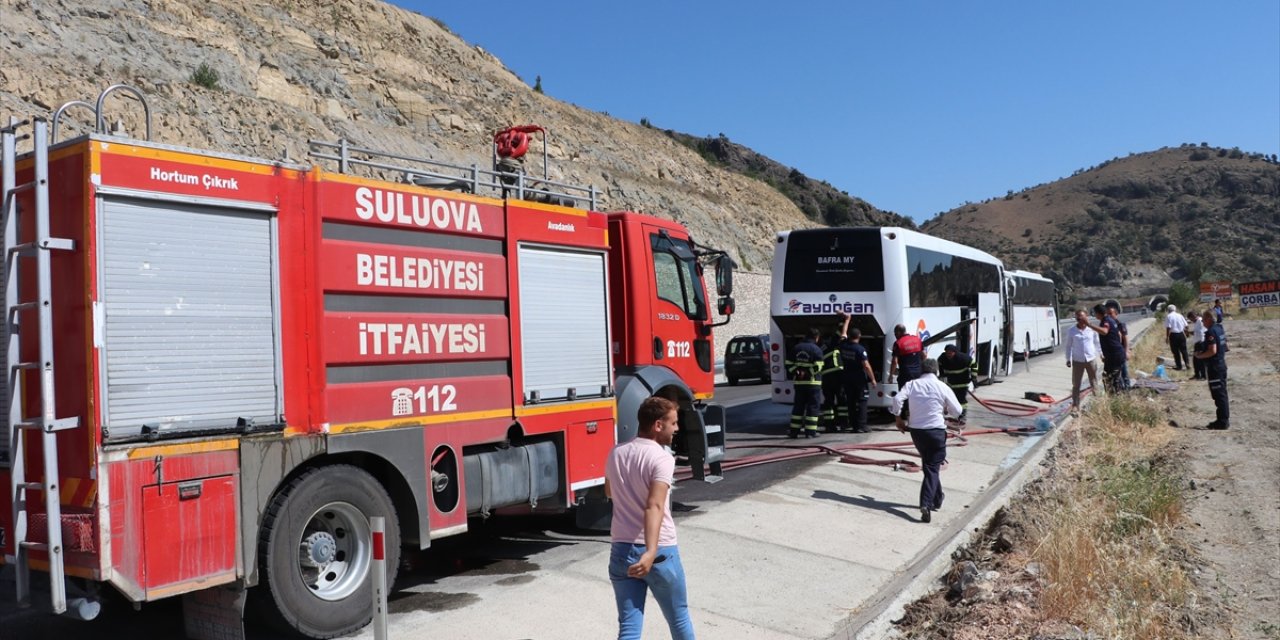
724 278
725 306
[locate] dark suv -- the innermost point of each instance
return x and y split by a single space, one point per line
747 357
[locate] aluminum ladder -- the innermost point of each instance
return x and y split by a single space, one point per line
21 427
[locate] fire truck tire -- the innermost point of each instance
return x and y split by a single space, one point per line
733 382
315 552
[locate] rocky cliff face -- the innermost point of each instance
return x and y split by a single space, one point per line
385 78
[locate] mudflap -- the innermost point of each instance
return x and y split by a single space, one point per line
704 428
594 511
214 614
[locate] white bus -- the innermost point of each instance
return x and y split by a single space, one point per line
1035 317
941 291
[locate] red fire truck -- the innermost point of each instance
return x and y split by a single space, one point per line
219 368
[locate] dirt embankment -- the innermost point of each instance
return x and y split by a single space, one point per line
1223 542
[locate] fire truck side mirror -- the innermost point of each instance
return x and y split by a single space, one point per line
724 279
725 306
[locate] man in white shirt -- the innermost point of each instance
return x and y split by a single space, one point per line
1175 327
1083 349
931 400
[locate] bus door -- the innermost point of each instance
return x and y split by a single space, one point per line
964 337
989 334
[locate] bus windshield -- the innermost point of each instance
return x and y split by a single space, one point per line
821 260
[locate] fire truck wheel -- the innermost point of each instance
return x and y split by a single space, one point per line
315 552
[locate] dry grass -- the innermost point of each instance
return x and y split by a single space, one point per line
1105 520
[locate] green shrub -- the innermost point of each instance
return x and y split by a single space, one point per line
1182 295
206 76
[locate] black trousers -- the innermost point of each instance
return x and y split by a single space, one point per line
831 387
1112 366
1218 390
1178 343
1198 365
855 398
932 445
807 407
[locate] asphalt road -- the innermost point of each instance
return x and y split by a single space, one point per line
501 545
511 547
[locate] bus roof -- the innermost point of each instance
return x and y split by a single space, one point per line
914 238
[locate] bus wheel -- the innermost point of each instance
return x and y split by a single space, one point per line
315 552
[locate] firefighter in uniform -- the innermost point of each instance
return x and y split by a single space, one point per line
857 375
908 354
804 367
958 369
832 379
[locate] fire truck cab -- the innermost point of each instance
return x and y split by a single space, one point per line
220 368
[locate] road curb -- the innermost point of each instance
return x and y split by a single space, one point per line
921 577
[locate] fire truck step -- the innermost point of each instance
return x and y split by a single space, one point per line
34 546
32 486
77 531
24 306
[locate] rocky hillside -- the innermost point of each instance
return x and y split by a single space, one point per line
261 78
1138 222
820 201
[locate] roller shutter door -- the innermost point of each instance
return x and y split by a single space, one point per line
189 323
564 324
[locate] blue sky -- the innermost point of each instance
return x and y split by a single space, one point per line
916 107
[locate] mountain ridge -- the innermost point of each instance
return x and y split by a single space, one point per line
261 79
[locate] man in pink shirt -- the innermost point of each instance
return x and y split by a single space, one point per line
644 556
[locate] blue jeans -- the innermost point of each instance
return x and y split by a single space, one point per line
666 580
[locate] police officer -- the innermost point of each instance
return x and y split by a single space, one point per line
958 369
1113 355
1213 353
832 381
804 367
857 375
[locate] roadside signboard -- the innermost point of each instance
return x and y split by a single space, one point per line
1263 293
1210 291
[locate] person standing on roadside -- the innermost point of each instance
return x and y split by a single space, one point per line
1218 311
1197 338
931 402
858 377
1175 335
1112 348
804 368
1213 352
1113 312
643 555
1083 349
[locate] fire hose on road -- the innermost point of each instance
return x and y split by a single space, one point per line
847 452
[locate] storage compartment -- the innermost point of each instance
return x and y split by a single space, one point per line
189 531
